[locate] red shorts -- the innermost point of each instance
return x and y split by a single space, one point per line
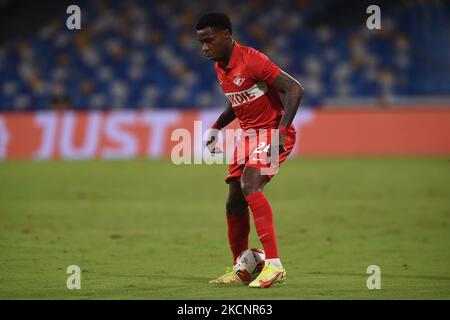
251 151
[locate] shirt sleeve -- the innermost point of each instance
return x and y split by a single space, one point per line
263 69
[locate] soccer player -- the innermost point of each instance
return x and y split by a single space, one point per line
253 84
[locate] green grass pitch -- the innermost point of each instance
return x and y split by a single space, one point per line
151 230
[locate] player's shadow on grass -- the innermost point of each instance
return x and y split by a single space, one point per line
384 275
158 276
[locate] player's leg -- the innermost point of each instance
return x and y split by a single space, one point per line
252 184
238 219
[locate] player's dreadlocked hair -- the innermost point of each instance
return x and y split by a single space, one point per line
215 20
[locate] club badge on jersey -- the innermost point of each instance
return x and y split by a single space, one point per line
238 81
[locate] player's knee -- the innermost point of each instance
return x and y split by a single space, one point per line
235 207
249 188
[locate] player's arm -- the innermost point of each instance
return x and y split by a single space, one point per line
224 119
293 93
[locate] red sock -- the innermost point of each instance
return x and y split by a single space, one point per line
263 217
238 230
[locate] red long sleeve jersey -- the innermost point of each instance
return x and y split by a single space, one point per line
247 83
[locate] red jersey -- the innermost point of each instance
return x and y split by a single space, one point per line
247 83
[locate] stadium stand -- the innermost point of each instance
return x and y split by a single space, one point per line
143 54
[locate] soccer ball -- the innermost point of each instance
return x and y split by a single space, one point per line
249 264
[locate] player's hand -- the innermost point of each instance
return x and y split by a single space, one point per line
211 141
278 144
